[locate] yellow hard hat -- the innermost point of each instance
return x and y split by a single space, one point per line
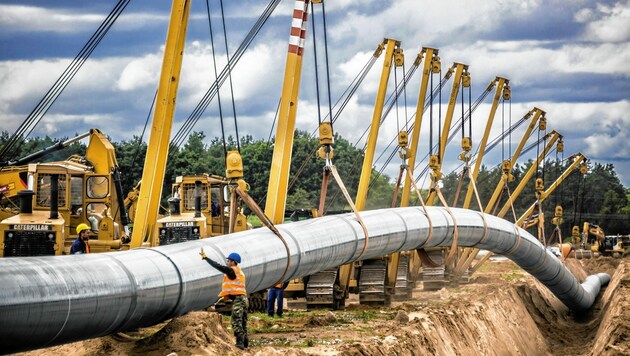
82 227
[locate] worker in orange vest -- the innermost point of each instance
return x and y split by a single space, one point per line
233 288
81 245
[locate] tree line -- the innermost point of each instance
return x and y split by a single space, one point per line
597 196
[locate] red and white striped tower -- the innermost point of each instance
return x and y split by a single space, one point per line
281 161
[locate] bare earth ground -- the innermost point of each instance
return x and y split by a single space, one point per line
503 311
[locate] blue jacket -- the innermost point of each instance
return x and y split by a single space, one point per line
78 247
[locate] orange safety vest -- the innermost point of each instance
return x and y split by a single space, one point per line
233 286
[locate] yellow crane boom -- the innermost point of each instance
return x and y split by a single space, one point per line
553 137
431 60
393 53
157 149
578 158
508 165
435 161
281 161
503 90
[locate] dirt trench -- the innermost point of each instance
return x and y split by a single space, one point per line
503 311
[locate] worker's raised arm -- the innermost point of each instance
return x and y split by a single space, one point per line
229 272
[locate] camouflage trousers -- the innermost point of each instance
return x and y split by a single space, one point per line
239 315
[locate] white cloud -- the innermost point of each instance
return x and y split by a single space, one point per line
139 73
31 18
612 25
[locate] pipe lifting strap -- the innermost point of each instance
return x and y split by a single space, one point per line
335 174
453 249
470 254
269 224
424 207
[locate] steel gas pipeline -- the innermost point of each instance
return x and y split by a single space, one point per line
52 300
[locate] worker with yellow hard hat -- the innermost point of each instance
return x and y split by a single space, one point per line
81 245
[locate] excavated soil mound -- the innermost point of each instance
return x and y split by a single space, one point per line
196 333
193 333
613 336
489 320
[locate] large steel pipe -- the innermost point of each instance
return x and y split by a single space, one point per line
46 301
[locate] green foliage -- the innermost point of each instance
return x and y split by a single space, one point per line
597 197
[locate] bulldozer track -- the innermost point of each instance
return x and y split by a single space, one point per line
372 289
323 292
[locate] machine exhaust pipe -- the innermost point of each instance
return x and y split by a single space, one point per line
197 199
50 300
54 196
173 206
26 201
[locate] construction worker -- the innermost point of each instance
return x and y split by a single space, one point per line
233 288
81 245
276 292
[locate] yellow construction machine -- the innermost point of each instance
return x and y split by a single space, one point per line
200 207
63 194
594 237
87 189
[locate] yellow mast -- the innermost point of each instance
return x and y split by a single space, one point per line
554 137
578 158
508 164
503 89
281 161
393 52
159 138
435 161
431 64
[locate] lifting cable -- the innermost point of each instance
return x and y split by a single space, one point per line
227 54
557 218
389 104
327 138
182 134
214 63
581 186
491 145
341 103
453 132
408 124
327 62
33 119
466 144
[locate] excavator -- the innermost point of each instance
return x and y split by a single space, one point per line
600 244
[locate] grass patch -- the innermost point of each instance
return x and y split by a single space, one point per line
269 329
509 277
363 315
485 267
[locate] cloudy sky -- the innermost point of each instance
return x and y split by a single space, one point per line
568 58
